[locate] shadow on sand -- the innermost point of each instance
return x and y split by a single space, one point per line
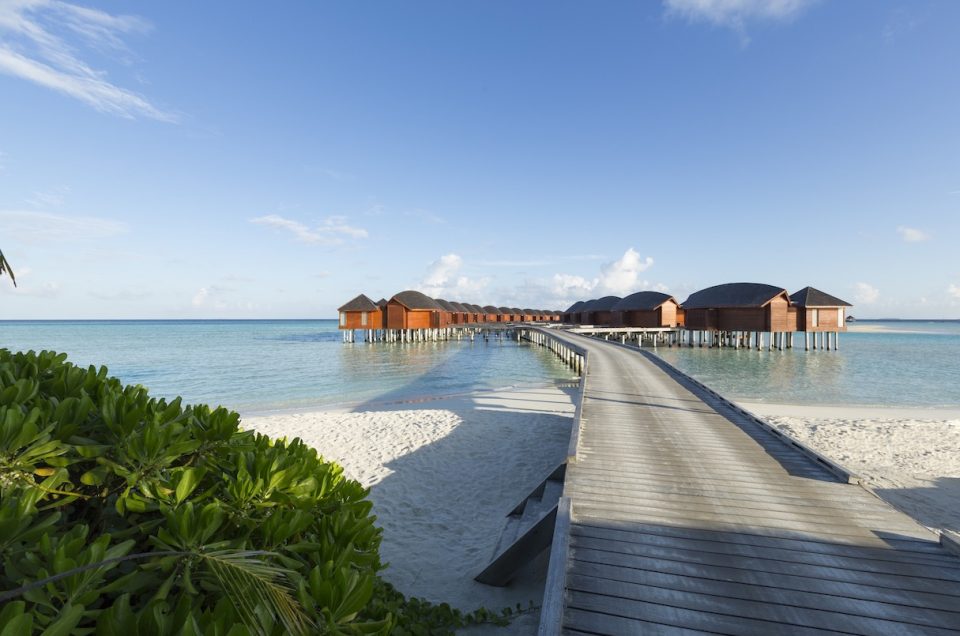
444 504
927 505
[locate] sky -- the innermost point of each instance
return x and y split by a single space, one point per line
273 160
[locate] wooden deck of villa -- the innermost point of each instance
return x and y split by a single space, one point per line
681 514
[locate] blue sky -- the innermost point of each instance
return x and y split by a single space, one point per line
246 160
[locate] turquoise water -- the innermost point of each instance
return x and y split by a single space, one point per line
890 363
262 365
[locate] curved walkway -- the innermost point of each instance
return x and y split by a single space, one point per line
688 517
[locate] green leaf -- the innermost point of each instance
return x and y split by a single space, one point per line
189 480
69 617
14 619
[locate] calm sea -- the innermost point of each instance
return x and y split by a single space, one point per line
880 363
264 365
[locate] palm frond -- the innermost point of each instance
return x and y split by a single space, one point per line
250 582
5 267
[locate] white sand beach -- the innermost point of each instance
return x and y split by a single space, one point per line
909 457
443 475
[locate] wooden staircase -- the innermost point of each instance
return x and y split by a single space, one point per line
528 531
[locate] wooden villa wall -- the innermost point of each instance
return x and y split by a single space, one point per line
701 319
354 320
777 312
396 316
637 318
601 317
827 319
668 314
399 317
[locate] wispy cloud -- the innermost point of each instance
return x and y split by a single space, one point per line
866 294
954 291
901 22
40 42
121 295
912 235
333 230
51 199
41 227
426 217
737 14
29 287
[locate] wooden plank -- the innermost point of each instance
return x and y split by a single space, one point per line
679 617
640 556
630 597
611 566
815 552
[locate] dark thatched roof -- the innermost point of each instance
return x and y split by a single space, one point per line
733 295
490 309
444 304
575 307
415 300
382 302
529 312
811 297
604 304
504 310
360 303
643 300
459 307
477 309
587 305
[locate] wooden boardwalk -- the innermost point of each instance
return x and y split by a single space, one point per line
685 516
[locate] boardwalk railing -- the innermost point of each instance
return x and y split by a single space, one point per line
551 611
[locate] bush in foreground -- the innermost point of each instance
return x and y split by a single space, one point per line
123 514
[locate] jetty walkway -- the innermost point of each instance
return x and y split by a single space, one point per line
681 514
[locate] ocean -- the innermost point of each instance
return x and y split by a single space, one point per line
258 366
879 363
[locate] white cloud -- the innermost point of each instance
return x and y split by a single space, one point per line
39 227
866 294
34 47
443 280
912 235
736 14
618 278
621 276
570 286
954 290
332 231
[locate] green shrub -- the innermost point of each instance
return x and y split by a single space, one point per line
123 514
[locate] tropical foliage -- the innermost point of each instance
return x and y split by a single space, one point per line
5 269
124 514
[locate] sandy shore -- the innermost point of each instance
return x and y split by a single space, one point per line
910 457
443 475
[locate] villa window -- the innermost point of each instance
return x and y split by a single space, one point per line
343 319
363 319
815 317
